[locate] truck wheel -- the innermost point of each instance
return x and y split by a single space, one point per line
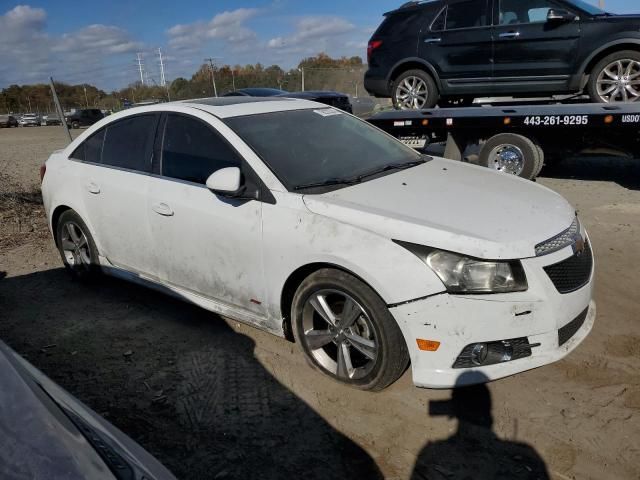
512 154
347 332
414 90
616 78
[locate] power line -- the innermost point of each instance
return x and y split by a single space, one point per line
140 67
163 81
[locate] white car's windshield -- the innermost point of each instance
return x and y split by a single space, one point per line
321 148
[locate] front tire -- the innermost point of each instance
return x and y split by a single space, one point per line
616 78
347 332
414 90
77 248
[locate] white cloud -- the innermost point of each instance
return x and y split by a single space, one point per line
313 33
227 26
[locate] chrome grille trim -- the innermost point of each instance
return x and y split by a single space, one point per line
560 241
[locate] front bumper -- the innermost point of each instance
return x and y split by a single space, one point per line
457 321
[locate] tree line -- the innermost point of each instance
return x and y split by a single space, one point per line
321 72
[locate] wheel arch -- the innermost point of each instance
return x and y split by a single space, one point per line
413 63
294 280
608 49
55 218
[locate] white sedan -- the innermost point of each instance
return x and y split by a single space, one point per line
311 224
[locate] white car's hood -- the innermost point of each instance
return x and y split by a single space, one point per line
452 206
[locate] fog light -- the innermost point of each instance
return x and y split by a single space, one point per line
491 353
479 353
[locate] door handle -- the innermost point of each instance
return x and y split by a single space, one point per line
510 35
93 188
163 209
433 40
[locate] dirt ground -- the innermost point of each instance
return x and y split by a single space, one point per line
213 399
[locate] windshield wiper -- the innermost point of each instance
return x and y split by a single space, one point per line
326 183
388 168
352 181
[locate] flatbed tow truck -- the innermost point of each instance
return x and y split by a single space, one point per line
516 139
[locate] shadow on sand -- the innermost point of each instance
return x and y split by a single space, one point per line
474 452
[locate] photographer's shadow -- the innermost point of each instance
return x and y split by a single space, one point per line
475 451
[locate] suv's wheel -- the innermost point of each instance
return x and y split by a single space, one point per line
512 154
77 248
75 125
414 90
347 332
616 78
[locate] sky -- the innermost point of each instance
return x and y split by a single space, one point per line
97 42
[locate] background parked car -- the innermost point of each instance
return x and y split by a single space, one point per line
334 99
46 433
29 120
84 118
451 51
8 121
51 119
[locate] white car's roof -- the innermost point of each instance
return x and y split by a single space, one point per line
227 107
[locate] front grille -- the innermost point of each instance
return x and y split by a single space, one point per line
520 349
573 273
569 330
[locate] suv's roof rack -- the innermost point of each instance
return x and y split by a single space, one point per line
408 5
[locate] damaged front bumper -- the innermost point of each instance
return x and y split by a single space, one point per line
548 324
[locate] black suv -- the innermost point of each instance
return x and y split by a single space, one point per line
84 118
451 51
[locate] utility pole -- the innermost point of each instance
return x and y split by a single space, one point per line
302 71
85 95
213 76
29 101
140 67
163 82
233 79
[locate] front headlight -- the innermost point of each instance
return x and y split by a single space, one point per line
462 274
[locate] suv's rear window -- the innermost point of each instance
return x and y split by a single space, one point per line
400 23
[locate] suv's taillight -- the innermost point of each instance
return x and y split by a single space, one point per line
373 45
43 170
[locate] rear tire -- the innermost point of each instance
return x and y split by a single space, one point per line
414 90
616 71
513 154
346 331
77 248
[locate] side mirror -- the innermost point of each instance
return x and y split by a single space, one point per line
558 15
226 182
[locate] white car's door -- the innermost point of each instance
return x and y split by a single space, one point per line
114 181
205 243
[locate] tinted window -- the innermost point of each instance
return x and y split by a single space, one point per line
524 11
192 151
400 24
128 143
467 14
310 146
91 149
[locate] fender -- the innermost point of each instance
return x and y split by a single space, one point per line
606 46
432 70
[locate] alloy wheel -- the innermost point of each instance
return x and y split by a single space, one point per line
75 247
412 93
507 159
339 334
619 81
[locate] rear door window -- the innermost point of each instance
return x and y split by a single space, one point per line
192 150
128 143
91 149
467 14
